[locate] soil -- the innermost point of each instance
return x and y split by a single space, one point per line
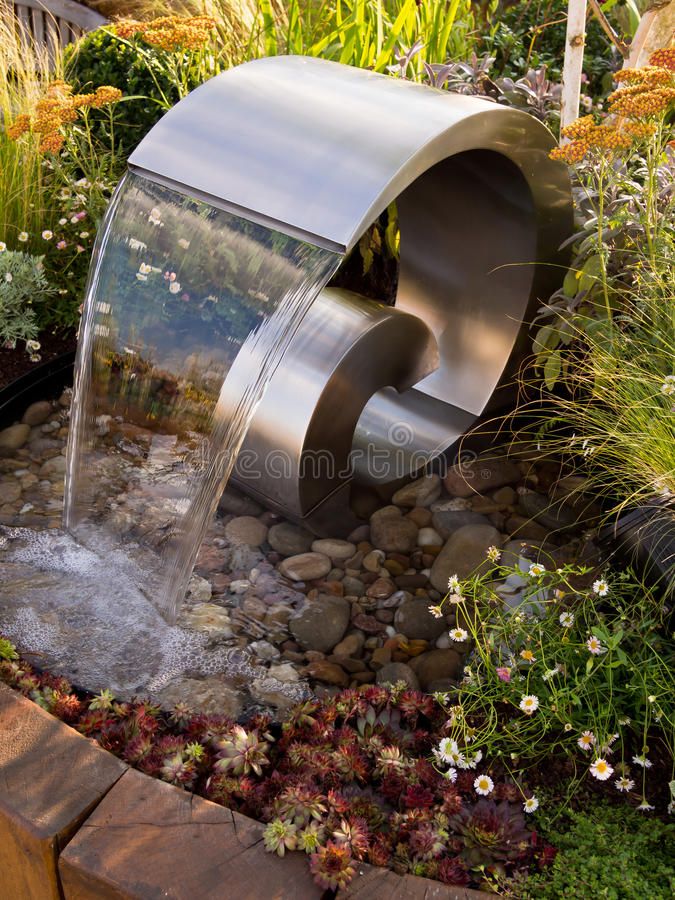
15 363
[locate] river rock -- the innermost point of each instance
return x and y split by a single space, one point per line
398 671
199 589
554 515
422 492
235 504
37 413
210 618
289 539
10 491
305 566
353 587
352 645
429 537
14 437
392 532
381 589
447 521
54 466
481 475
327 672
463 552
334 548
414 620
213 696
285 672
321 623
436 664
246 530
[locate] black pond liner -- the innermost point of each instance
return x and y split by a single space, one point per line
42 382
644 536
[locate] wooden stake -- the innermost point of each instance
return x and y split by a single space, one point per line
574 60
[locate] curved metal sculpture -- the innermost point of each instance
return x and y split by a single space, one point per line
318 150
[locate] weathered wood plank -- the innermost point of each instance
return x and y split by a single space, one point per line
85 18
372 883
150 839
50 779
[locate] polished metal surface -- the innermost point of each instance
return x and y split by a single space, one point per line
319 150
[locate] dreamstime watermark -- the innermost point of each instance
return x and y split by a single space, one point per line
397 458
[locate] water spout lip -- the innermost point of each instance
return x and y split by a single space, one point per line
277 150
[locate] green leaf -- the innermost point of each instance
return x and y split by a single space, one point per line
571 283
591 273
552 368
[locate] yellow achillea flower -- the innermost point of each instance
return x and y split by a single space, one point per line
170 33
645 95
55 109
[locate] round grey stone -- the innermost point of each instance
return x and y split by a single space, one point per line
246 530
463 553
305 566
422 492
14 437
334 548
414 620
321 623
397 671
289 539
37 413
392 532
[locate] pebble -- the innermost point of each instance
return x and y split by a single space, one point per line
464 551
306 566
436 664
392 532
553 515
199 589
351 645
321 624
421 517
214 695
37 413
10 491
246 530
414 620
398 671
422 492
446 522
334 548
289 539
372 562
284 672
329 673
210 618
480 475
14 437
429 537
54 466
381 589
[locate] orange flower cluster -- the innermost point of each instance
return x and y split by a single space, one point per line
170 33
646 94
586 135
59 107
648 91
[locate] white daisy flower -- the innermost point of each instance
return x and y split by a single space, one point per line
436 612
63 221
494 554
484 785
447 749
3 246
624 784
642 761
600 587
451 775
566 619
9 278
455 599
174 287
47 235
601 769
668 386
529 704
586 740
23 236
595 646
645 807
536 570
531 804
453 583
458 634
145 268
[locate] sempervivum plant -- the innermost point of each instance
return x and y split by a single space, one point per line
491 832
343 781
241 752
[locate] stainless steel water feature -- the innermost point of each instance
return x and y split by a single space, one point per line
318 150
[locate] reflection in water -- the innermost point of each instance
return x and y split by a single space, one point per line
181 294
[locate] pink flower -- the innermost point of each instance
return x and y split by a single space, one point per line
61 245
504 674
81 215
80 248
